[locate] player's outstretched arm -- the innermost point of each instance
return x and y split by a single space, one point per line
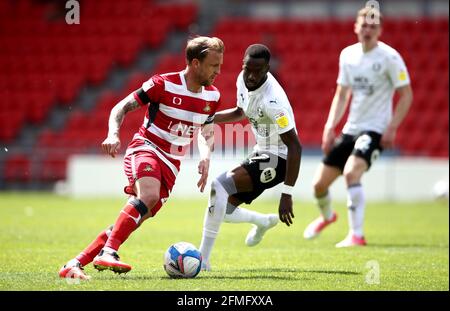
229 115
111 144
404 103
294 156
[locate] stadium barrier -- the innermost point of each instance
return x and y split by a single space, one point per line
389 179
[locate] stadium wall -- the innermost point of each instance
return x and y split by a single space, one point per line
389 179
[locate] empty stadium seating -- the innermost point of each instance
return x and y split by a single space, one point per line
47 62
306 54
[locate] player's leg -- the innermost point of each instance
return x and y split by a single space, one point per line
366 150
237 214
234 214
324 177
137 209
330 169
353 171
143 170
74 268
322 181
263 171
221 188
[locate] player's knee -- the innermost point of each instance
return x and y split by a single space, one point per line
216 210
351 177
225 181
149 199
319 188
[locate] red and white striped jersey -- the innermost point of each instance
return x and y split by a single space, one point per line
174 113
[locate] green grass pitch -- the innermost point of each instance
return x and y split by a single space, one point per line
408 247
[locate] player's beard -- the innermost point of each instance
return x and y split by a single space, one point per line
209 81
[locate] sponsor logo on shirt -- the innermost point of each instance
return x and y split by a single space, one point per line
176 101
402 75
281 120
260 112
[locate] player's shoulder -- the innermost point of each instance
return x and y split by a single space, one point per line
351 50
212 88
240 79
158 79
388 50
275 92
274 86
173 77
240 75
211 93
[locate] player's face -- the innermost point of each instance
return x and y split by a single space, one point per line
255 72
209 68
367 33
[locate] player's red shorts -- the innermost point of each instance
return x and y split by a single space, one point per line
145 162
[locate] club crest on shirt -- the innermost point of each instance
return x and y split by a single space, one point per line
376 66
207 107
148 168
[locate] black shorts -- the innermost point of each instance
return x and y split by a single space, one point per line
365 145
266 171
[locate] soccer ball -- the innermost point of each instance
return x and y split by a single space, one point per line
440 190
182 260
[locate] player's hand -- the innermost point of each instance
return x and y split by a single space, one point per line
285 209
203 168
111 145
387 140
328 138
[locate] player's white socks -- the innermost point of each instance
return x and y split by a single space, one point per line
245 215
356 205
214 215
324 204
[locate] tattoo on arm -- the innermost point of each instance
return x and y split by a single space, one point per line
119 111
131 105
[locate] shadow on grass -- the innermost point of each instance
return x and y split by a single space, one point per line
253 274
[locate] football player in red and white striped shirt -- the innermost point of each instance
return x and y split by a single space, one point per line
177 105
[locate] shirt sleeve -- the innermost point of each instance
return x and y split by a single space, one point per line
343 78
397 71
280 116
151 91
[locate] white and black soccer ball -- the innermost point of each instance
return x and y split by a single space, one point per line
182 260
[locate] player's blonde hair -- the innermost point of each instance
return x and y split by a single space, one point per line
199 47
371 13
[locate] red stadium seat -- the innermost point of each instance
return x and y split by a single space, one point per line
18 168
53 168
57 68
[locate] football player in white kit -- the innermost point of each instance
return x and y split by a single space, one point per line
276 156
371 72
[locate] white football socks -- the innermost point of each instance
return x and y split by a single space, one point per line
214 216
356 206
240 215
324 204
